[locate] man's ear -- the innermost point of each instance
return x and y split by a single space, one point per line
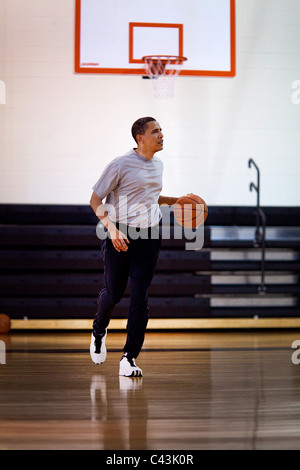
139 138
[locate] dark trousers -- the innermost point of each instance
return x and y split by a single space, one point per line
137 265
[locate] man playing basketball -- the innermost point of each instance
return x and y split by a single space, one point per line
130 182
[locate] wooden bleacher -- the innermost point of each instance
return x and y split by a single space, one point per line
51 268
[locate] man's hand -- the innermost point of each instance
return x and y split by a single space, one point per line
188 194
119 240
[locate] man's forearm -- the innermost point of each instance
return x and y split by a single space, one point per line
169 201
119 240
98 208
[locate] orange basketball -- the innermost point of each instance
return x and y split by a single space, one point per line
190 211
4 323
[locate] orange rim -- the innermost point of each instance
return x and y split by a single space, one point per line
164 59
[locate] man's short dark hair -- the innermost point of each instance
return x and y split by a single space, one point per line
140 126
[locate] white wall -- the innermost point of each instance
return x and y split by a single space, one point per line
58 130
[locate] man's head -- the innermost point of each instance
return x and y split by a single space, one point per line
139 127
148 135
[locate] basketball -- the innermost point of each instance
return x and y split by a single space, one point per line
4 323
190 211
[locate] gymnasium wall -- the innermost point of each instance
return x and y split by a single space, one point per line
58 130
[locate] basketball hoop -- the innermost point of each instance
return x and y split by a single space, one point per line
162 70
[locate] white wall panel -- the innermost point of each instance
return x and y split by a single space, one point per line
59 129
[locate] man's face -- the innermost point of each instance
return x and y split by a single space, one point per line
152 139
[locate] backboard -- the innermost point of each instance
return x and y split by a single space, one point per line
112 36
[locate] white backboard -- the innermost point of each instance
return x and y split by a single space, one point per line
112 36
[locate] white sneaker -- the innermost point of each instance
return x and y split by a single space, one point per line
98 349
128 368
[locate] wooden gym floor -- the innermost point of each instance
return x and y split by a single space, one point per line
200 390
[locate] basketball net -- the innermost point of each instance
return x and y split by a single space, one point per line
163 70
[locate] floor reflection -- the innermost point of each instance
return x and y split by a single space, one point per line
123 411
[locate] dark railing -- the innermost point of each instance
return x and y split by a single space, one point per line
260 233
